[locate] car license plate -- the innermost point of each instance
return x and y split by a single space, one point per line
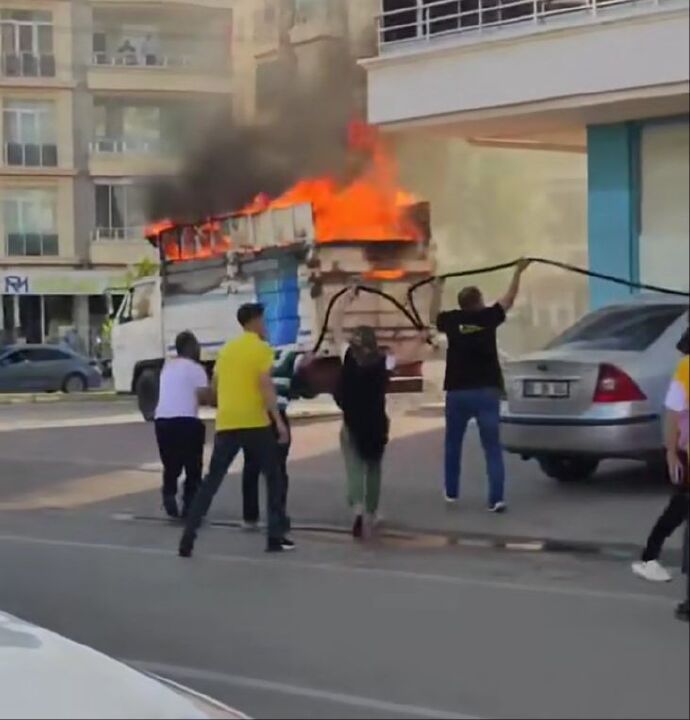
546 389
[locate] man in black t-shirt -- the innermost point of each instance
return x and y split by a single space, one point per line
474 381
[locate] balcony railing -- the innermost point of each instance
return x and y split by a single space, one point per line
138 60
109 234
111 146
425 20
27 65
30 155
32 244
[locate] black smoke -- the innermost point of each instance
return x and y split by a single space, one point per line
303 134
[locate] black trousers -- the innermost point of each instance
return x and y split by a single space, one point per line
258 445
181 447
250 480
674 515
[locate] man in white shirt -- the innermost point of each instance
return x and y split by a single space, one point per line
179 431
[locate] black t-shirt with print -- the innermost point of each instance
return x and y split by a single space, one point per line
472 361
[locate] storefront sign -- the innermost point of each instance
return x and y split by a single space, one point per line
67 282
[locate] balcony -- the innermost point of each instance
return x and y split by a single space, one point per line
32 244
30 155
119 246
27 65
114 157
476 62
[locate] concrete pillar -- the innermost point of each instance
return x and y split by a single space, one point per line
81 318
613 208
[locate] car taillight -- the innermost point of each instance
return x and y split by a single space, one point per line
613 385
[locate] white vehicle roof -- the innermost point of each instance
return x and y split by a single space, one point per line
44 675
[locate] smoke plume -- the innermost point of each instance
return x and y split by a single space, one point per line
304 134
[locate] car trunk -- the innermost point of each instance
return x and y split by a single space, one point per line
561 381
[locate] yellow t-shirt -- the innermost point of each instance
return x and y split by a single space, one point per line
238 368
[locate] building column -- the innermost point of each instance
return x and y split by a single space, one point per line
613 208
81 318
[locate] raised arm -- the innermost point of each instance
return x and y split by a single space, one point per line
508 300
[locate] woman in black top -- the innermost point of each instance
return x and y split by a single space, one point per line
362 397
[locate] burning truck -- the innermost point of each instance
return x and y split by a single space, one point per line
292 254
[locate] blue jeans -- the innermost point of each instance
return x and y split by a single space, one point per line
483 405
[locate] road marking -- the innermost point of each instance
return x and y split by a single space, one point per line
457 580
187 674
76 493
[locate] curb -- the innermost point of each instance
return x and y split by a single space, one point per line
614 551
51 398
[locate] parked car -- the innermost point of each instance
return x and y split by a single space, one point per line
597 390
46 368
44 675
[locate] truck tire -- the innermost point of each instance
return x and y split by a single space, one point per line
146 390
568 469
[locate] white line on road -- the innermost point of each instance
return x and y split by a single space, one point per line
187 674
458 580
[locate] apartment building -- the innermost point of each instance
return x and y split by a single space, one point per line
278 41
95 96
605 78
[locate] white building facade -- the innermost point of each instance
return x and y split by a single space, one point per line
605 77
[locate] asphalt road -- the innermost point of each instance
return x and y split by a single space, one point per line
408 627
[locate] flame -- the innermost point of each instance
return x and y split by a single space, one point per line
190 242
386 275
371 207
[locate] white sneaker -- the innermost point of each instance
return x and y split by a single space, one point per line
499 508
653 571
449 499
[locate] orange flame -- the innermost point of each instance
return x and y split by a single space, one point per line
371 207
198 242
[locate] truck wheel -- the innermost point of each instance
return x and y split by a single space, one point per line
146 390
568 469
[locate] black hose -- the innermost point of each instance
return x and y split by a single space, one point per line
366 289
412 313
553 263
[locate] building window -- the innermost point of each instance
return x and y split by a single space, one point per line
30 223
664 249
127 128
119 212
29 133
26 43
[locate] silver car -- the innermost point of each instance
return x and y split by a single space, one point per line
597 390
46 368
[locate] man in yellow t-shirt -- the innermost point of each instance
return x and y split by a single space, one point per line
247 403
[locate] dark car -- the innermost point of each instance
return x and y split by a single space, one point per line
46 368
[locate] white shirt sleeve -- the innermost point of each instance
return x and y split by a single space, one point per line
199 377
676 399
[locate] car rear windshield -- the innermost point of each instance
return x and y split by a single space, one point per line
632 328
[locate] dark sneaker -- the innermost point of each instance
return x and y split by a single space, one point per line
170 506
287 544
186 549
358 528
275 546
682 611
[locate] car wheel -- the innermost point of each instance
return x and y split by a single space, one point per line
146 390
568 469
74 384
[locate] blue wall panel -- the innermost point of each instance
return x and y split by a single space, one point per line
613 208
